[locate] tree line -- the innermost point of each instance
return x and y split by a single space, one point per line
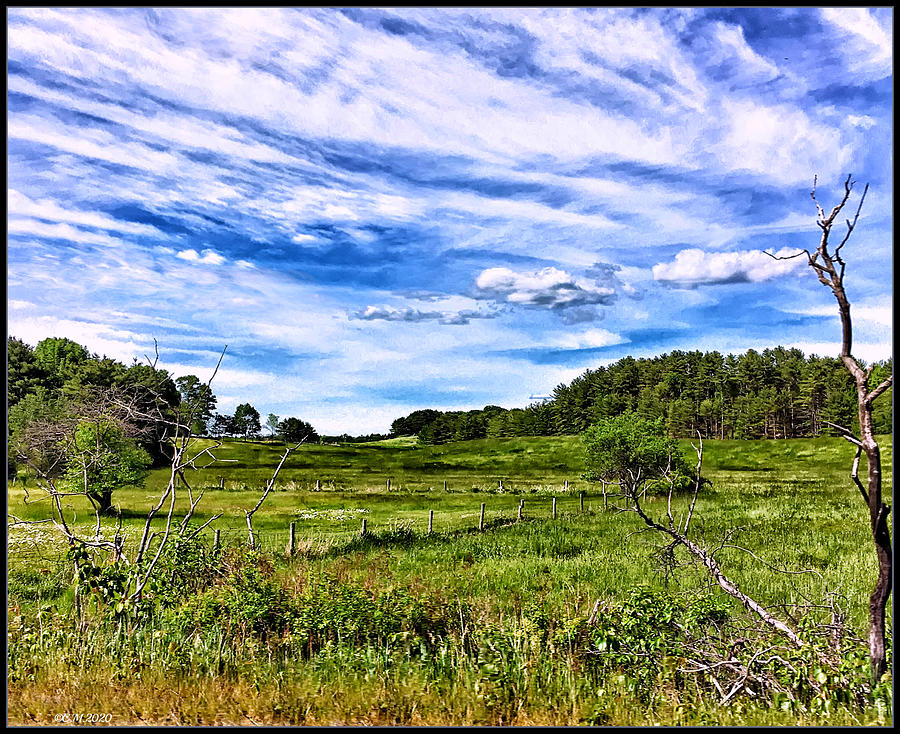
57 378
776 393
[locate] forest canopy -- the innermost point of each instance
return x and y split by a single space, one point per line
776 393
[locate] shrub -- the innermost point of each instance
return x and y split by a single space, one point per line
633 452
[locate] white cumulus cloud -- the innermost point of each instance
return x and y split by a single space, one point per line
693 267
549 288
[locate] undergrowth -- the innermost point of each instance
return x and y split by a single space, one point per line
228 617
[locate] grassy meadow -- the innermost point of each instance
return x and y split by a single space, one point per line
457 626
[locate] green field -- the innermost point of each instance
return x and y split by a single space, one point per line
513 588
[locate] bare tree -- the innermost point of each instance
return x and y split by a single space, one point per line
744 656
829 266
269 486
678 532
173 428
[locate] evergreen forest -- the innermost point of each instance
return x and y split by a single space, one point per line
777 393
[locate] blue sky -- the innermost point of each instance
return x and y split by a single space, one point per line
385 210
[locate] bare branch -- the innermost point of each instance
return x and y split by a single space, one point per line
269 486
813 195
141 583
769 565
845 432
155 360
852 225
218 364
197 531
854 473
713 567
697 483
879 390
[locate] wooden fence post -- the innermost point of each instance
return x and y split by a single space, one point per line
363 529
581 500
292 537
521 508
554 508
566 487
217 544
445 485
430 521
388 485
501 484
221 482
318 485
481 519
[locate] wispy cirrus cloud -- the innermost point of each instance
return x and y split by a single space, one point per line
866 39
419 185
20 207
412 315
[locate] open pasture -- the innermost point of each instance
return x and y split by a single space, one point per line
783 504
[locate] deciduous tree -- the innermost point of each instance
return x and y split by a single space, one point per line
198 403
101 458
246 420
294 430
632 453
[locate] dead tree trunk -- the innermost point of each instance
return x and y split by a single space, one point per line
829 267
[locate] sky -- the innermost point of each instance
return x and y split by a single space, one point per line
379 211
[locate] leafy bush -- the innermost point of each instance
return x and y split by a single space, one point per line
330 611
244 597
185 567
637 636
325 612
632 451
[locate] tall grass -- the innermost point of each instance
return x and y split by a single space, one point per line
498 646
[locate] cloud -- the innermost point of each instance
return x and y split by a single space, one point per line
590 339
866 42
490 207
38 229
466 315
607 273
694 267
412 315
208 257
20 206
629 53
378 313
546 288
742 63
872 314
92 143
102 339
302 237
779 141
259 177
